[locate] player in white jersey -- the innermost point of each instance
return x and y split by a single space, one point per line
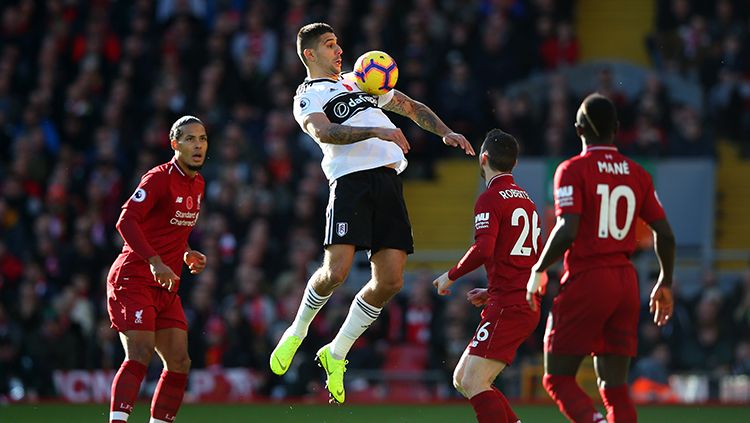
363 155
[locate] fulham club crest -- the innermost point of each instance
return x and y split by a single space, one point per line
342 228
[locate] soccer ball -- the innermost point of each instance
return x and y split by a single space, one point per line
375 72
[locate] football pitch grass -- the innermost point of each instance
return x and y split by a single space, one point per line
381 413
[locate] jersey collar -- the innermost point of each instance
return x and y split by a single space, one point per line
316 80
598 148
174 166
497 177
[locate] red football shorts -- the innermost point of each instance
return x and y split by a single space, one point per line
596 312
502 330
142 307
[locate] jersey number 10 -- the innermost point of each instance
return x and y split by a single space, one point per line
608 210
518 248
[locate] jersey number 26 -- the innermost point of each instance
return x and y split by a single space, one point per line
515 220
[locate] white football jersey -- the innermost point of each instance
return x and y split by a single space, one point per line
345 104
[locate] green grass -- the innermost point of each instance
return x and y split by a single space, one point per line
298 413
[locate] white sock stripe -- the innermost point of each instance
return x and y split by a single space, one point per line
317 296
314 302
153 420
366 310
118 415
368 306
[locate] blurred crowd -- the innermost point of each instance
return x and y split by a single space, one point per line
709 42
89 89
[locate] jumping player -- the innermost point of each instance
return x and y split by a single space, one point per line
363 153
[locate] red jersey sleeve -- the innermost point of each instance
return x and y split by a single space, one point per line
652 209
486 228
568 190
135 210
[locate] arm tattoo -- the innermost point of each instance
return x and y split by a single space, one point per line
418 112
344 134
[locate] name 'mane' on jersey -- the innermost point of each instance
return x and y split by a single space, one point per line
345 104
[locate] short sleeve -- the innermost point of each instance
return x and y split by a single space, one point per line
147 194
486 220
385 98
652 209
568 190
305 104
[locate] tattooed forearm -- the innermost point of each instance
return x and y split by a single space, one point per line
343 134
418 112
428 120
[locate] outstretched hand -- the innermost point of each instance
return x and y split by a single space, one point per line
455 139
395 136
442 283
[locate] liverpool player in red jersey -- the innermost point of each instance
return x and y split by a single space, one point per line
506 238
598 196
142 283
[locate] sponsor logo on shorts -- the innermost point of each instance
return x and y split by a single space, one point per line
138 317
342 228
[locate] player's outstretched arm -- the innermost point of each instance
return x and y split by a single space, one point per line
321 128
661 303
427 120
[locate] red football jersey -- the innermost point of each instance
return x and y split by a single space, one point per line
608 191
506 237
157 220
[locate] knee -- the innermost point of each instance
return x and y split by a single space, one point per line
470 385
179 363
391 285
334 276
140 352
457 375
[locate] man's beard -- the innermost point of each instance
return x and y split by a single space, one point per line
195 168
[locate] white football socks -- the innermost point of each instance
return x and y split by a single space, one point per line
360 317
311 303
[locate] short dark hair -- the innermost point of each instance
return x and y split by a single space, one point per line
502 150
175 133
598 117
308 36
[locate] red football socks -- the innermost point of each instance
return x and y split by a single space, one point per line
488 406
575 404
125 388
619 405
168 395
510 415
